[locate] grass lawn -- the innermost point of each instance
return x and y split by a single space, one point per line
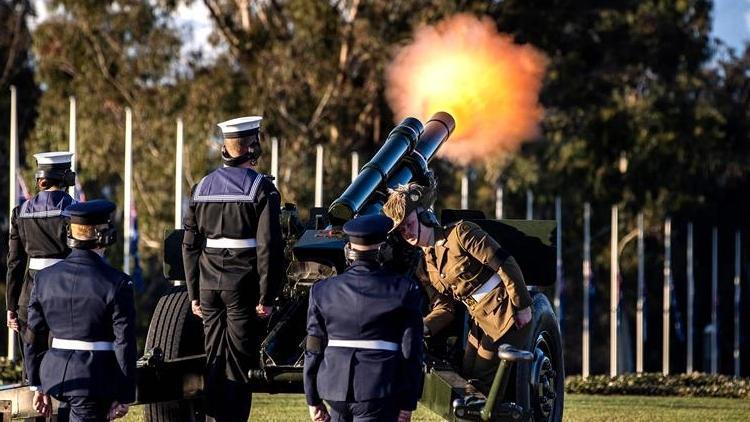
288 407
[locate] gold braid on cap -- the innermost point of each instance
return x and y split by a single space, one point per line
406 198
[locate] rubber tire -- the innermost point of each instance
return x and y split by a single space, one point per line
178 333
545 321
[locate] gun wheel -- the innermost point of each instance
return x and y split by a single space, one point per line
178 333
540 384
544 396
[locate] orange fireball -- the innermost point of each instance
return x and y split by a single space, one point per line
487 82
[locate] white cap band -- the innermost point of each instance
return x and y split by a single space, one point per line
239 125
47 158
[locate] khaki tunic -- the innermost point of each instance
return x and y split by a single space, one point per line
463 259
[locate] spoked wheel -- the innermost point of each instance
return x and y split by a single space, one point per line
540 385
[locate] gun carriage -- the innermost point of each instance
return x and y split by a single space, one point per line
528 385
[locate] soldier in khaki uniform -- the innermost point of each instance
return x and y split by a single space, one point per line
464 264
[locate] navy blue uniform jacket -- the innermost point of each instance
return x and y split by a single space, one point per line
82 298
37 230
366 302
237 203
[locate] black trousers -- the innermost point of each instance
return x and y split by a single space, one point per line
82 409
232 341
376 410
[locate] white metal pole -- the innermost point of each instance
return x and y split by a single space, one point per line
667 302
355 165
127 202
275 160
737 292
178 157
529 204
639 326
690 297
72 142
558 257
499 202
319 176
12 192
714 300
586 348
465 189
614 296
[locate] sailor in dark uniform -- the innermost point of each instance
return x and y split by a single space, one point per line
87 308
364 335
232 252
37 233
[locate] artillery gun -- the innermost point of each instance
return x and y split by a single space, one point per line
528 385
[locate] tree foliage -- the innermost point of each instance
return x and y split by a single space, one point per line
643 108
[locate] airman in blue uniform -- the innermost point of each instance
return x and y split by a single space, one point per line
87 308
364 345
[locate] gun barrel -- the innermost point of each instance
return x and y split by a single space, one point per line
400 141
413 167
436 132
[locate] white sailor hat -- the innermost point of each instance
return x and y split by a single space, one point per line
241 127
53 158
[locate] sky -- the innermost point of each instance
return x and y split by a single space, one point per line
731 23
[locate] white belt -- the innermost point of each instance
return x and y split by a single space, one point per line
94 346
365 344
225 242
42 263
485 288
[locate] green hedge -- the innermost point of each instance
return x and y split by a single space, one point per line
696 384
10 372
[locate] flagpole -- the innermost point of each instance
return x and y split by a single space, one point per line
128 187
499 201
586 348
465 189
639 326
737 296
178 177
690 297
275 161
12 199
614 297
355 165
72 142
319 176
667 302
529 204
558 258
714 300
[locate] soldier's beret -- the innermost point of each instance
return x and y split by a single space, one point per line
368 229
93 212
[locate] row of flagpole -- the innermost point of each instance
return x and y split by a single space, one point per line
12 200
586 268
